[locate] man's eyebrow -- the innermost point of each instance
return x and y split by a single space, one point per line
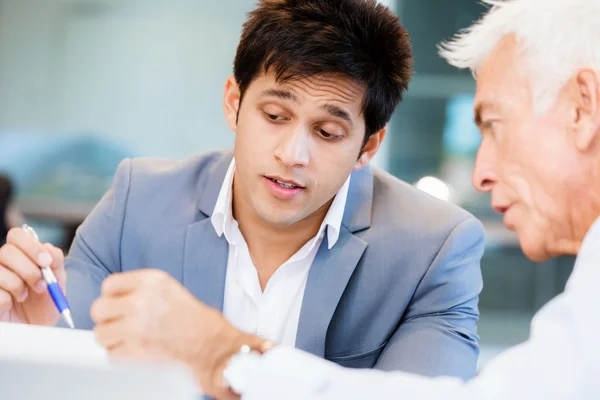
331 109
338 112
283 94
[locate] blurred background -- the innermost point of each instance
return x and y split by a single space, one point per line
85 83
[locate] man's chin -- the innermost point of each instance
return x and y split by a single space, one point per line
534 248
280 220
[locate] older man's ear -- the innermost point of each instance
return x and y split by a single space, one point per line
587 109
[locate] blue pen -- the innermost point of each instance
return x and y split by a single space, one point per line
55 291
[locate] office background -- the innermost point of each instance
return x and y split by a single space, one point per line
84 83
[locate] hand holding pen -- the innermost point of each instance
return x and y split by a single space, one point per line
59 298
32 280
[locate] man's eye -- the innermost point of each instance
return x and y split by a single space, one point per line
273 117
489 125
326 134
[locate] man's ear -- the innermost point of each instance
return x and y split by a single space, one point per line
370 148
586 122
231 102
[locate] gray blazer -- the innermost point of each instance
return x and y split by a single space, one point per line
398 291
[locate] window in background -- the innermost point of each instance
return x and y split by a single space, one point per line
86 83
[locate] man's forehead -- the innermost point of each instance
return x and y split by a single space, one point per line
489 95
502 80
336 88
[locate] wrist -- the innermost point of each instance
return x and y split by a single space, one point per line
246 356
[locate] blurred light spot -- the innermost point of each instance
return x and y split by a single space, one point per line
434 187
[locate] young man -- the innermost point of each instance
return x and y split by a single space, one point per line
292 236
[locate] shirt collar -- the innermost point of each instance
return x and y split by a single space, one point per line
222 216
224 223
591 239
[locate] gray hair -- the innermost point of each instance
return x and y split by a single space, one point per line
556 37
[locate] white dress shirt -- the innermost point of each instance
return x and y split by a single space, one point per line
560 360
274 313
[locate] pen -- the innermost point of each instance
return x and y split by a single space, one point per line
55 291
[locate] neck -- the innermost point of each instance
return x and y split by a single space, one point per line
270 246
581 220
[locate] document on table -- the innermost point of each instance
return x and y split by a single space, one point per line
68 364
56 345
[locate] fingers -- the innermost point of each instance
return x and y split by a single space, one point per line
110 335
58 257
15 260
23 255
11 283
134 351
123 342
29 246
127 282
107 309
6 301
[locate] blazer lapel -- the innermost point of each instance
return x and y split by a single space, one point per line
329 274
205 263
205 253
332 268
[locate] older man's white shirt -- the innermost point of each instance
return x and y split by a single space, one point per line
561 359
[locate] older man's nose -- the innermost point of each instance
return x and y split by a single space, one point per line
484 173
484 177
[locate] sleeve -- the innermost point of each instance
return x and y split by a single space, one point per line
558 361
438 335
95 252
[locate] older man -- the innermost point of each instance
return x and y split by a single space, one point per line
538 107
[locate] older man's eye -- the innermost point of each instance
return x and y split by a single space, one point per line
489 124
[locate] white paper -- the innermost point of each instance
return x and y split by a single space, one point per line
56 345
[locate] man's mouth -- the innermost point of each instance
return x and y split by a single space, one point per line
284 183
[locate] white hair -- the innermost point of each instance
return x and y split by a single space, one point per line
556 37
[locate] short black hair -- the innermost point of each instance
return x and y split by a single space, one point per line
360 39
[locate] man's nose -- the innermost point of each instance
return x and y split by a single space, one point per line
484 176
294 148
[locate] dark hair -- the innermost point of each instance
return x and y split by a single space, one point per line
360 39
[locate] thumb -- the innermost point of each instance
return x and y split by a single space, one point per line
58 257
